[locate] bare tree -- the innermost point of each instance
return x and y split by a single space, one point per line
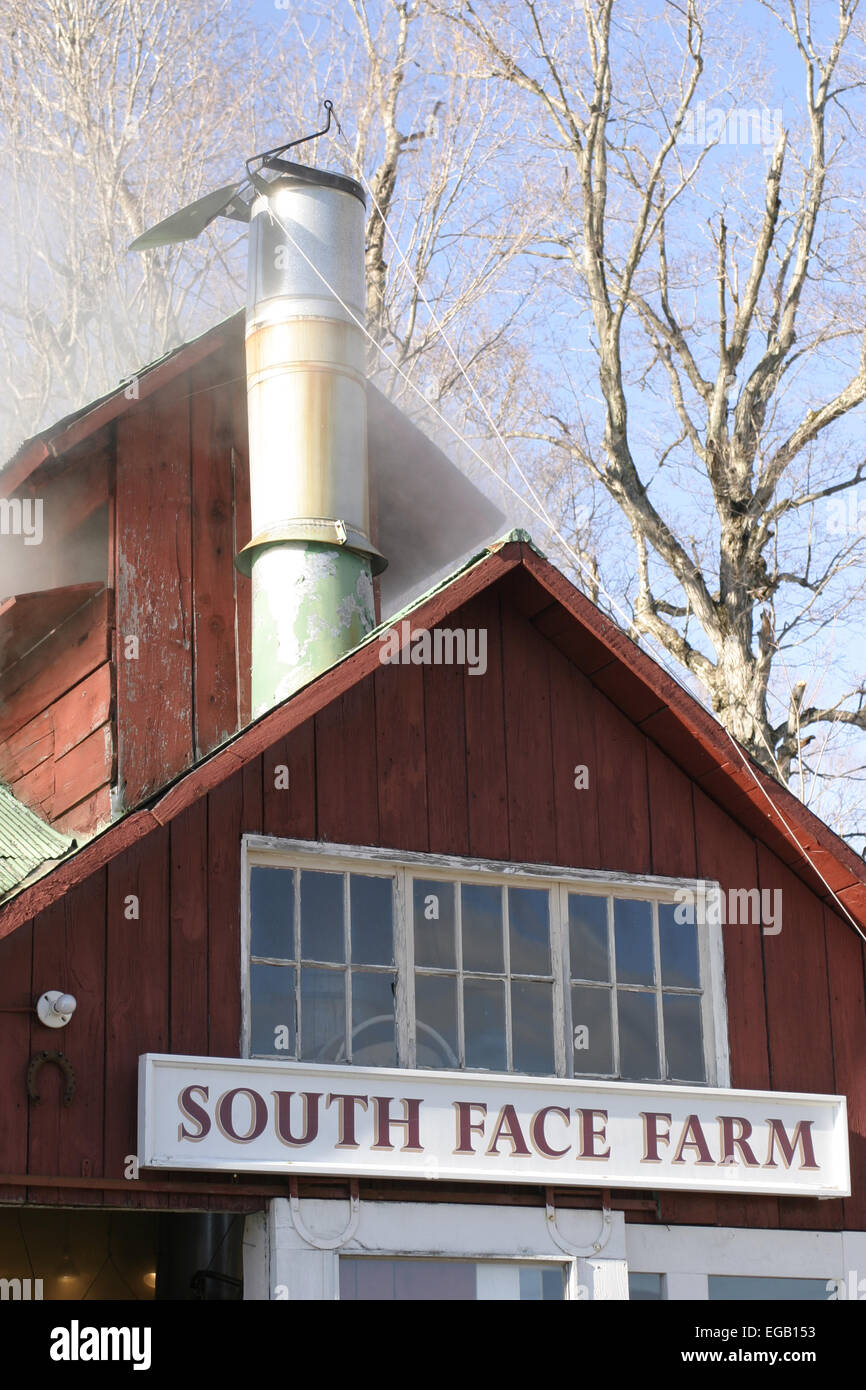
725 322
423 134
113 113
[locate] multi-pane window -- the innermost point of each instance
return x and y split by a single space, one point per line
322 966
415 962
636 997
483 977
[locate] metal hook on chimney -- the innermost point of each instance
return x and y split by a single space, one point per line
265 157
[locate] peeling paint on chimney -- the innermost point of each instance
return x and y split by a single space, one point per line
311 604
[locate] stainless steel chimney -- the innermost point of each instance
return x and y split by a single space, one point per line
310 557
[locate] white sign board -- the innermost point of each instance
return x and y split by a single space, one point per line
292 1117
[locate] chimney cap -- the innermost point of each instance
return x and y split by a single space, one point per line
289 172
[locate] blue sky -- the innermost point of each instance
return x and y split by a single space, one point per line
780 75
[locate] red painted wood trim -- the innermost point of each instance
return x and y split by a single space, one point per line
95 855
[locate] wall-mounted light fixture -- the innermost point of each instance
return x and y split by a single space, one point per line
55 1008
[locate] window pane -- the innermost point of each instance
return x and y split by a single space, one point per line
593 1035
684 1044
371 905
749 1288
633 933
323 1015
532 1027
405 1280
529 930
402 1280
322 916
272 909
435 942
643 1288
482 927
638 1036
678 942
436 1021
484 1023
272 1008
373 1036
587 925
540 1283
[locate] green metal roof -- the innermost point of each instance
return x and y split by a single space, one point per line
26 842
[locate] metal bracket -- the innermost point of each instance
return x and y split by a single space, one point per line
326 1242
59 1060
266 156
604 1234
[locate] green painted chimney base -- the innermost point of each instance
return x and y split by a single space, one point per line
311 604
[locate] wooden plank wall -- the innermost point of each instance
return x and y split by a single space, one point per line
174 469
430 758
183 620
56 741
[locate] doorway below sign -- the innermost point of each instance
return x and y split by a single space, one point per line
74 1255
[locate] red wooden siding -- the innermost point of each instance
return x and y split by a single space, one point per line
137 994
845 970
182 504
170 475
56 741
572 731
530 755
154 563
218 678
487 774
16 958
435 759
347 799
798 1011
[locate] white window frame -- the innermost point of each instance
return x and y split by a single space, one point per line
687 1256
273 852
286 1258
282 1261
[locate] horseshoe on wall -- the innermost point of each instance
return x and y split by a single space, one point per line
60 1060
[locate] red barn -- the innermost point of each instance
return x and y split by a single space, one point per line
480 964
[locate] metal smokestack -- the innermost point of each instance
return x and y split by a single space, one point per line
310 558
